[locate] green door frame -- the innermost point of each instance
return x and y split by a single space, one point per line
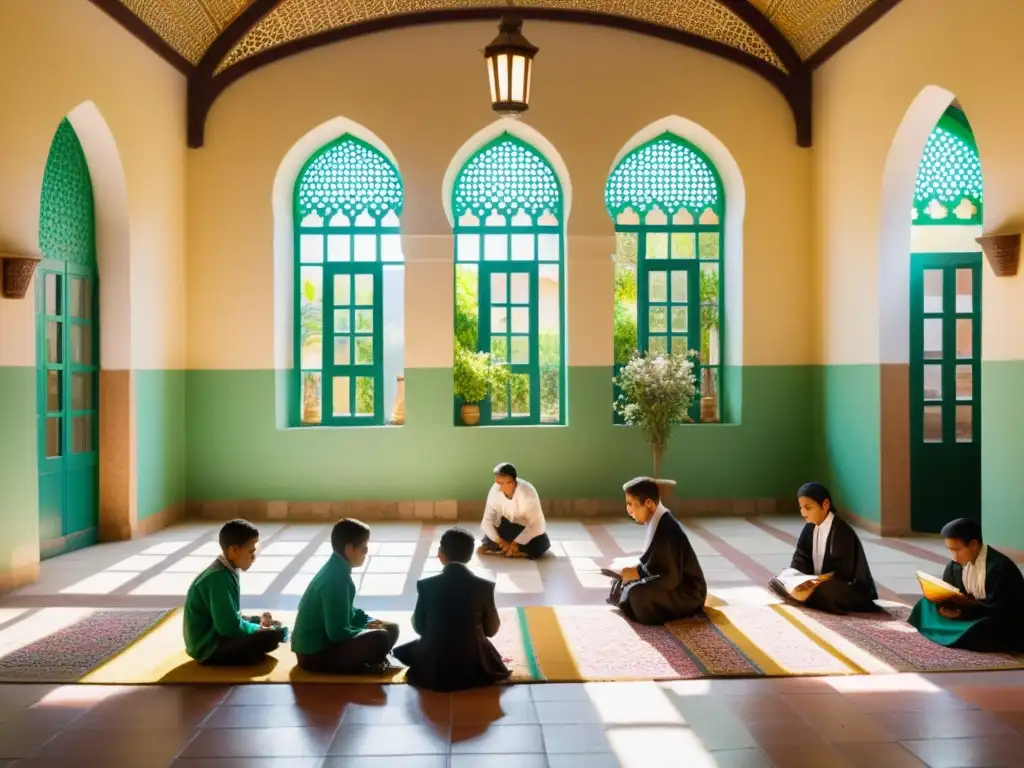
945 473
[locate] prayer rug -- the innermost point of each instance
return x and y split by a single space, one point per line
69 650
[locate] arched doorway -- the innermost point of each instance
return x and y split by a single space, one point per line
945 328
67 351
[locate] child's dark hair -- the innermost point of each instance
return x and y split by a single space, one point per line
237 533
962 529
457 545
507 470
349 531
643 489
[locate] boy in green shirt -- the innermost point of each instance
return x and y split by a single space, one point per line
332 635
216 633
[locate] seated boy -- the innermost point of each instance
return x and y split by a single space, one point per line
828 546
668 582
215 631
331 635
455 614
988 615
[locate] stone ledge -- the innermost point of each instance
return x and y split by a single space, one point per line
16 578
450 509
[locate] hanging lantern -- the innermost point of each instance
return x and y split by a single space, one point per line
509 66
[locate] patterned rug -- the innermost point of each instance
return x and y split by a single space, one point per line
69 653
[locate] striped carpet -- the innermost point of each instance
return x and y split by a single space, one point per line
590 643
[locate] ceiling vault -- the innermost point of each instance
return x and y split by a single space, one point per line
752 36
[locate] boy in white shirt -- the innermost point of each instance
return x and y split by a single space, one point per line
513 523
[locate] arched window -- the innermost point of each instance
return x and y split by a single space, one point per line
667 202
509 279
349 285
949 187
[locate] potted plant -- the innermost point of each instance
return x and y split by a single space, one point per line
656 392
473 375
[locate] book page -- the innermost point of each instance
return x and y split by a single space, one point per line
935 589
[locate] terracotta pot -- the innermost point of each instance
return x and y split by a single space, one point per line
470 413
18 270
398 412
666 489
1002 252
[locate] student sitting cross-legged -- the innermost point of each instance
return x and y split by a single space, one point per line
332 635
988 612
455 614
216 633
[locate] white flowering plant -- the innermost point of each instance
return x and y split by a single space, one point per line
656 392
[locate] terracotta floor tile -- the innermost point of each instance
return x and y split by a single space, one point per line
567 712
878 756
606 760
433 711
505 761
1012 720
17 695
718 729
107 761
575 739
22 742
370 740
152 747
993 698
978 752
271 716
304 695
246 762
808 756
491 712
41 719
152 708
559 692
742 758
499 740
913 726
388 761
784 734
840 727
260 742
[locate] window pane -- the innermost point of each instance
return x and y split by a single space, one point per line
932 290
499 349
657 286
657 345
499 402
339 248
519 383
679 287
680 345
311 318
53 342
933 338
467 247
364 350
341 392
342 351
964 382
499 292
364 320
679 319
964 337
499 319
81 344
522 247
364 396
467 304
364 290
964 423
520 350
710 245
683 245
548 248
53 391
549 297
709 405
496 247
932 424
365 247
520 320
343 321
342 290
53 438
391 248
52 298
933 382
81 391
964 290
81 434
657 319
626 247
311 397
549 393
657 245
709 316
311 249
81 298
520 288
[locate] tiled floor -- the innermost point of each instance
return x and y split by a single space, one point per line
944 721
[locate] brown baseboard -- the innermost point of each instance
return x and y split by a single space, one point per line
16 578
162 519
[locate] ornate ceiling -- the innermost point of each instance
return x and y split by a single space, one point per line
216 41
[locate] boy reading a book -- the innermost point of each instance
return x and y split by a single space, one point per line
668 582
986 610
332 635
829 570
455 615
216 633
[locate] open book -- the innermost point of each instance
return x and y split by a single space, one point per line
614 569
799 585
935 589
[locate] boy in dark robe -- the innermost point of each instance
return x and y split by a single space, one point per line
668 582
455 615
828 546
988 615
216 633
332 635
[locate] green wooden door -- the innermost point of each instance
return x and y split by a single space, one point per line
945 388
508 330
67 406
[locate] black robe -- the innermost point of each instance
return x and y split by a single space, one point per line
995 624
851 589
455 615
671 584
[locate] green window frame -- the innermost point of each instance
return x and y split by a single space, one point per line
949 190
507 205
347 207
668 204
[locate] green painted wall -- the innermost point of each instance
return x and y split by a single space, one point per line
235 449
160 439
19 478
1002 453
847 449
